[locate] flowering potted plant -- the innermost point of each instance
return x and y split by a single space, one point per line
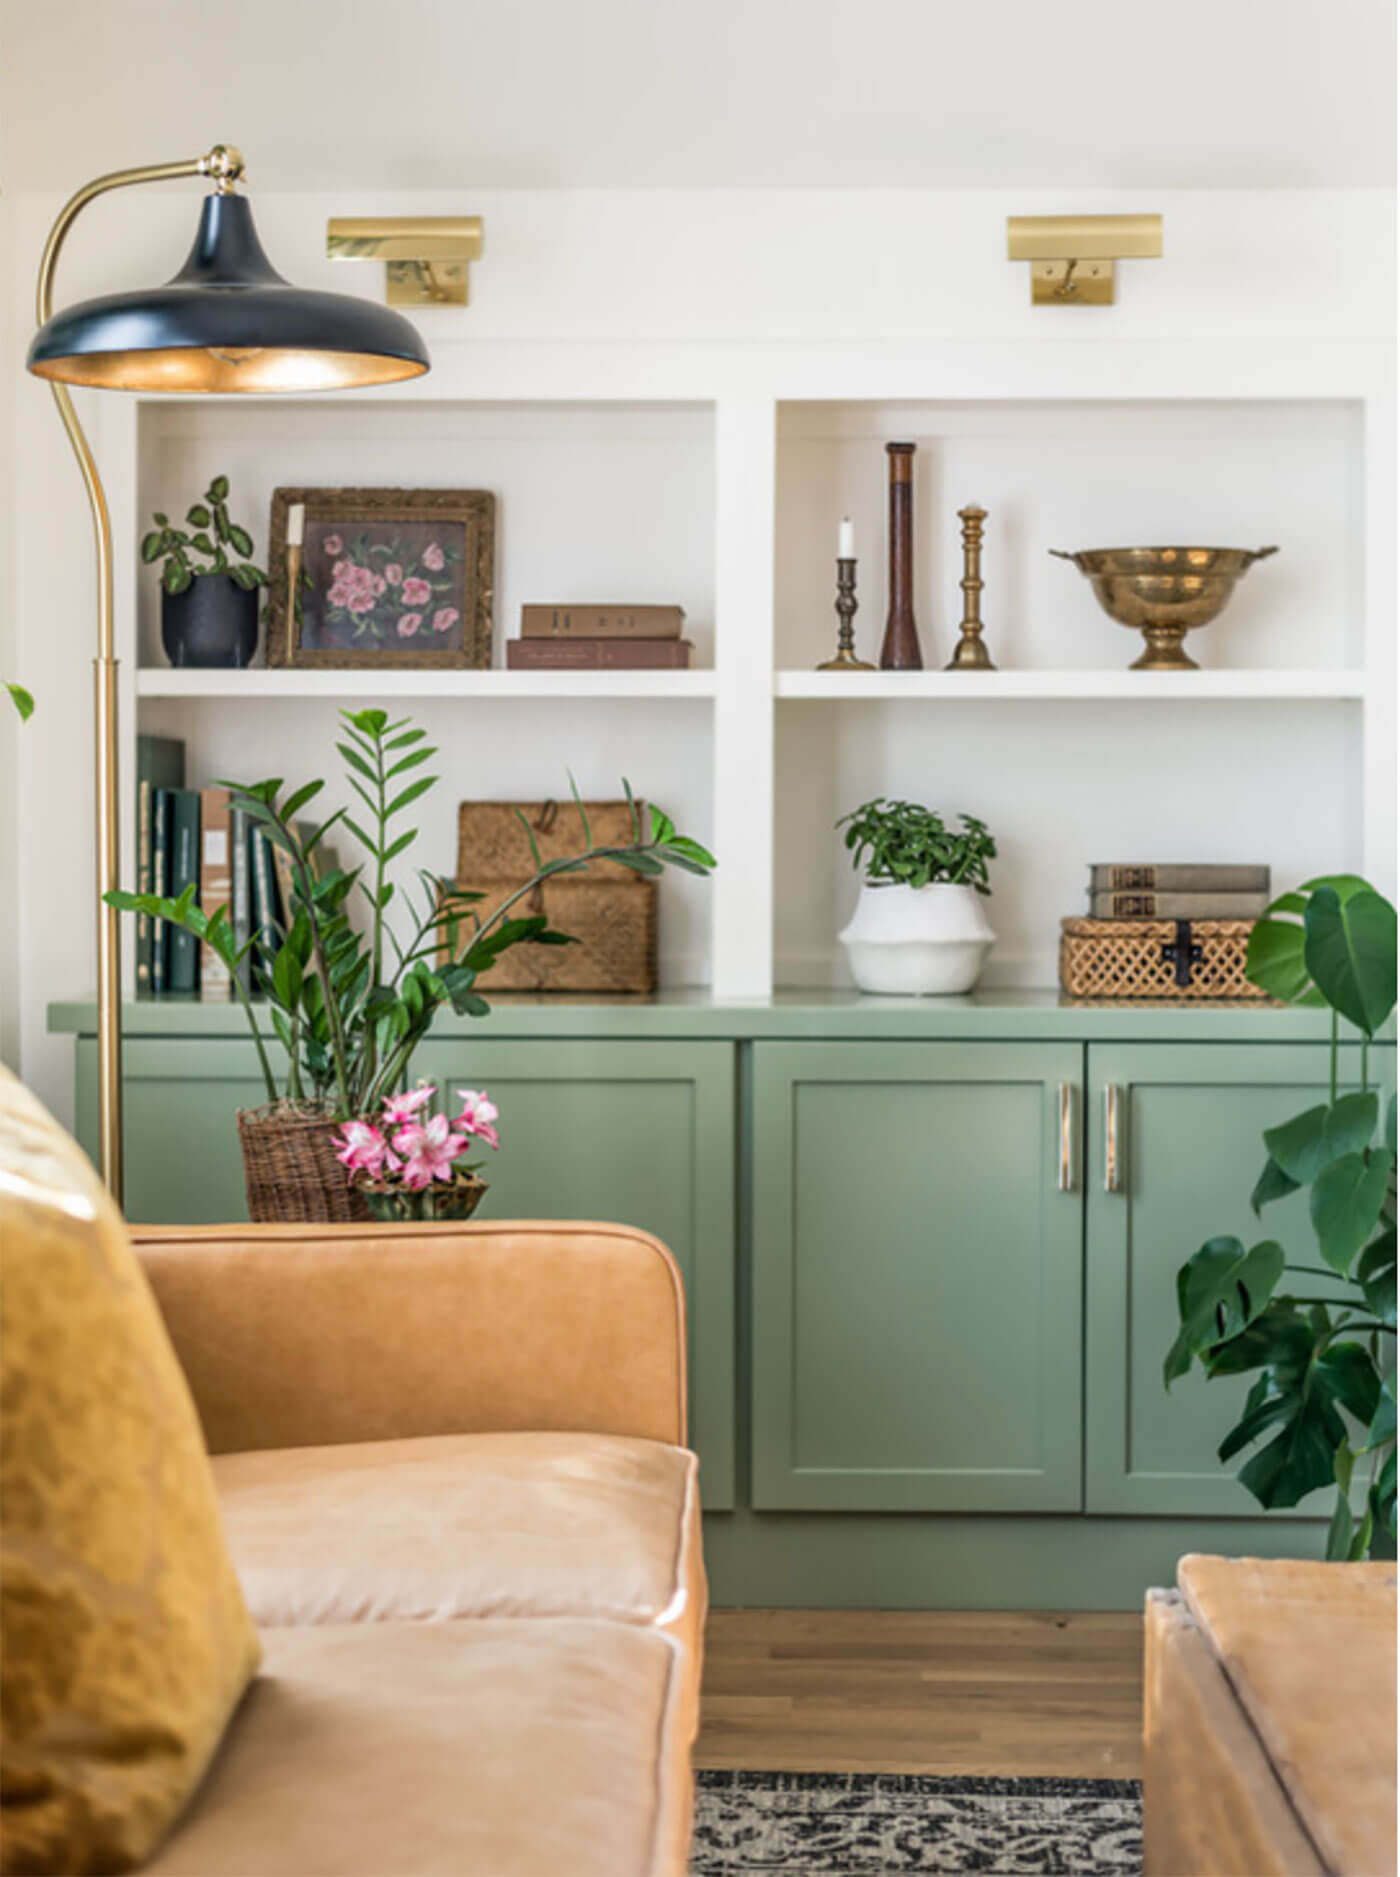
350 1002
409 1166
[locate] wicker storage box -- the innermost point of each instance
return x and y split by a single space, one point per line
614 921
1127 958
611 911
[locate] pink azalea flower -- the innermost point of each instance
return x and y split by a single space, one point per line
333 545
409 624
393 573
445 618
363 1149
429 1151
415 592
478 1115
433 557
399 1109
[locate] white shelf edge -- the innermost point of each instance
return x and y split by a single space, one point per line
159 681
1300 686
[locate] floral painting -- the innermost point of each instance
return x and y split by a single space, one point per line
384 577
383 585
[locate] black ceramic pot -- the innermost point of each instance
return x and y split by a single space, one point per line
214 622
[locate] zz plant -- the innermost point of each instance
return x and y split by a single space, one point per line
217 546
1318 1334
903 844
349 1002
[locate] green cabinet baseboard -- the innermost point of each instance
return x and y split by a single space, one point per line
926 1340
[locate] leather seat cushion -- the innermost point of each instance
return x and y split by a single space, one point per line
455 1525
445 1749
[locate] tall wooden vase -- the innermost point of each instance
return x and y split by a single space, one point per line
900 649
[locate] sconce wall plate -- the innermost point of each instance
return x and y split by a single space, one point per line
1072 256
425 256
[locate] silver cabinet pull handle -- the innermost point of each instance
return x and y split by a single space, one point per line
1112 1146
1065 1182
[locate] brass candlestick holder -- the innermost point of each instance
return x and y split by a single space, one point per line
970 654
846 604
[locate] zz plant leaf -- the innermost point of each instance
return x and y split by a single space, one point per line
1321 1411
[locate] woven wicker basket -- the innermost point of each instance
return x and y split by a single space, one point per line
614 921
1125 958
290 1168
492 843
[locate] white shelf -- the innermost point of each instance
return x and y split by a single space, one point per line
261 685
1300 686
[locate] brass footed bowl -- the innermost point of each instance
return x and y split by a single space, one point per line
1164 592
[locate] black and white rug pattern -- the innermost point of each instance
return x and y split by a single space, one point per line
884 1824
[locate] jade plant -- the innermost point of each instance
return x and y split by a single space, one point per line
350 1003
903 844
1316 1333
217 545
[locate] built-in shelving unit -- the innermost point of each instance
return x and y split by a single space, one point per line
716 477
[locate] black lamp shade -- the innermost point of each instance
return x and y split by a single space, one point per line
227 322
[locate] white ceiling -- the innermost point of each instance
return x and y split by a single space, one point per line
425 94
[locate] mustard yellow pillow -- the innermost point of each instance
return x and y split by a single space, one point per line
124 1640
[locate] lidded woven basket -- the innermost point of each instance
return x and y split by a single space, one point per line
1145 958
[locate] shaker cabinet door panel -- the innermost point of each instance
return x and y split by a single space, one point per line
1188 1151
916 1277
636 1134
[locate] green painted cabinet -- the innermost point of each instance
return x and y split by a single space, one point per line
1187 1120
637 1133
917 1246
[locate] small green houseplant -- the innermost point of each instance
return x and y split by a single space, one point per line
349 1002
209 583
1320 1347
919 927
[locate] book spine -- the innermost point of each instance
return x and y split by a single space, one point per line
184 871
241 913
1177 905
215 886
1178 879
598 654
267 914
145 880
601 622
162 820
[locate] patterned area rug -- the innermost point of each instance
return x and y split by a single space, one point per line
883 1824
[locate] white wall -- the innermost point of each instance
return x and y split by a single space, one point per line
570 275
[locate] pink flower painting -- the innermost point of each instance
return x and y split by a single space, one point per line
375 584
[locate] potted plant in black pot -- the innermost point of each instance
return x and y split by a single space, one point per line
209 584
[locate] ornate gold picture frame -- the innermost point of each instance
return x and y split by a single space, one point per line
390 578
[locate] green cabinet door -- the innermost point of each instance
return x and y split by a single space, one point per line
917 1248
180 1097
633 1133
1188 1151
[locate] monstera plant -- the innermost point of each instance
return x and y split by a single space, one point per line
1317 1334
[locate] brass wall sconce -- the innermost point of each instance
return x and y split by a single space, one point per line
425 256
1072 256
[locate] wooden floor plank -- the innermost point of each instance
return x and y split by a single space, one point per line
913 1691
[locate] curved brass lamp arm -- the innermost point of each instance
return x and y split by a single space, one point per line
225 165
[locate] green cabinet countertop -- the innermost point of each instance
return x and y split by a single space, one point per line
1012 1015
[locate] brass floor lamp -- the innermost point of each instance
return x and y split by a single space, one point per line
227 322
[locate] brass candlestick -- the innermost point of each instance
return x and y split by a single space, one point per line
970 654
846 603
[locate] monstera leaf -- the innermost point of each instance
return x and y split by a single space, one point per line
1220 1292
1275 960
1349 953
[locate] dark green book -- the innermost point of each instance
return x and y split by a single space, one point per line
162 845
160 764
266 902
184 871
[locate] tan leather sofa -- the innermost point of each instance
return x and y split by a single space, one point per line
452 1467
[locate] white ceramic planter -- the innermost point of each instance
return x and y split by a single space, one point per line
926 941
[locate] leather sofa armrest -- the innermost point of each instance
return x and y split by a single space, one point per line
313 1335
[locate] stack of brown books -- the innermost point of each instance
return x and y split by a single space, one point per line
1150 891
600 638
